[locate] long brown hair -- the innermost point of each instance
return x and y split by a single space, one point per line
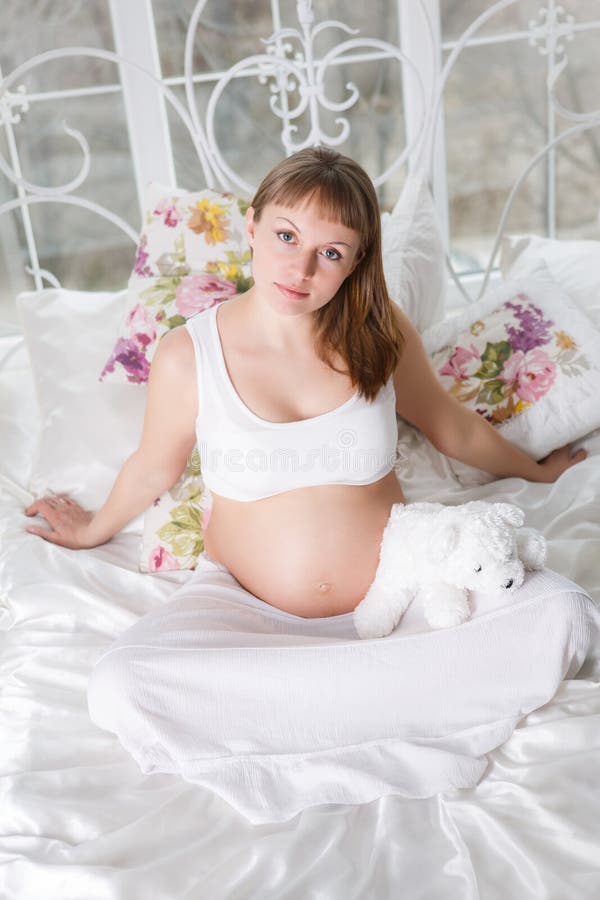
359 322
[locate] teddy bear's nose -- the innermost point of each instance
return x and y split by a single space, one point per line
509 583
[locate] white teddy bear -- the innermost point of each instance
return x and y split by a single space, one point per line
440 553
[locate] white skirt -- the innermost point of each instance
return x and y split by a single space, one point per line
276 713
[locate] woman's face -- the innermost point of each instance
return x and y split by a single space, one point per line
299 259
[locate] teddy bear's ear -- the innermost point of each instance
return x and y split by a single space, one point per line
442 541
509 514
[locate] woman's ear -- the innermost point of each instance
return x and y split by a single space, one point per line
250 225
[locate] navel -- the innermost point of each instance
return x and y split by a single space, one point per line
324 587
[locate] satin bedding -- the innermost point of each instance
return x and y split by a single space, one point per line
80 821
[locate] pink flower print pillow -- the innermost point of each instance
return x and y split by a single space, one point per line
192 254
513 366
198 292
526 359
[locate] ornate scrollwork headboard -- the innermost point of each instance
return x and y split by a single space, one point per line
306 74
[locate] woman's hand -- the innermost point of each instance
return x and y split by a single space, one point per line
559 461
168 437
68 521
460 432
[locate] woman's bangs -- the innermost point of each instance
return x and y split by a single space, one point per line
335 198
342 203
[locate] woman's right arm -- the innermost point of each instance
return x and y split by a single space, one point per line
168 437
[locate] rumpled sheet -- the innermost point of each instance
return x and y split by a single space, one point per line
80 821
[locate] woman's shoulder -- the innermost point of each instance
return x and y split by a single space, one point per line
175 352
401 318
199 322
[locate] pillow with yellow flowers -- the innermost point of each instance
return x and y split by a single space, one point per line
192 254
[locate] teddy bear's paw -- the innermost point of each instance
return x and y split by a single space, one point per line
372 623
445 606
532 549
367 628
378 614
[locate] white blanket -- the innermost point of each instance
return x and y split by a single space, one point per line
277 713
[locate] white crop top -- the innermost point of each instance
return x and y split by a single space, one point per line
244 457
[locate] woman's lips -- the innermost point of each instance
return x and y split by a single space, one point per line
290 292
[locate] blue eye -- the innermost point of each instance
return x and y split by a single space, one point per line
286 236
331 254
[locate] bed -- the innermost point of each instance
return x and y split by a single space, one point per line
78 819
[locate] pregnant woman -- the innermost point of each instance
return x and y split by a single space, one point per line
291 391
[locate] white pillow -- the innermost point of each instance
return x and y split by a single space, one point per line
528 359
413 253
574 265
87 429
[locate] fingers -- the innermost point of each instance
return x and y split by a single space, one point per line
44 533
50 508
53 502
58 503
33 508
578 457
567 460
64 517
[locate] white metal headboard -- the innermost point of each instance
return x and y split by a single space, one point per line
295 77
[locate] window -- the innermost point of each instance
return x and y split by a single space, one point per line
71 243
498 115
231 30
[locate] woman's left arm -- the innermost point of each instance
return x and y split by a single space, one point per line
457 431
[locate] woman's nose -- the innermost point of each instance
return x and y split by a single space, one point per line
304 265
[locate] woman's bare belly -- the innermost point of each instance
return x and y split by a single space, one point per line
311 551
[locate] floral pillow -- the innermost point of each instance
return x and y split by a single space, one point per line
192 254
528 360
173 526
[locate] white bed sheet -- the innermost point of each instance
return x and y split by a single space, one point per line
79 821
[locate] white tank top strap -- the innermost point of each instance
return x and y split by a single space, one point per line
199 328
